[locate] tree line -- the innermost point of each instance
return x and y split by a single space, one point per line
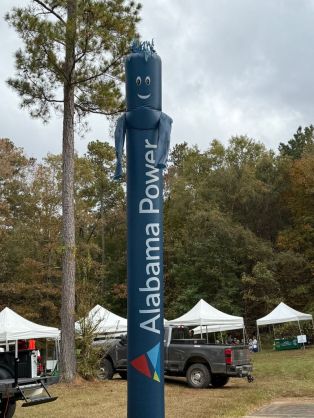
239 229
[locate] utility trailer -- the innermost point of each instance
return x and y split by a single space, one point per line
19 380
23 376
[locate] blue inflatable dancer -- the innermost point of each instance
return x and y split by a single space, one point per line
147 131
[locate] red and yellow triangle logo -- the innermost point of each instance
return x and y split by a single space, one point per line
141 365
147 362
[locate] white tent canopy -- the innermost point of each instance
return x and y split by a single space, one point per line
14 327
283 313
217 328
205 314
104 321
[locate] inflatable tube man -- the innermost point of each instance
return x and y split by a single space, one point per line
147 131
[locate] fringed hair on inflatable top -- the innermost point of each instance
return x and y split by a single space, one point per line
147 48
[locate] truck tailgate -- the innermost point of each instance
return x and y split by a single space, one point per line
241 355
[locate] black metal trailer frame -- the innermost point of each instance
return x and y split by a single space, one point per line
16 383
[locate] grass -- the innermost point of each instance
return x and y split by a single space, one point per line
277 375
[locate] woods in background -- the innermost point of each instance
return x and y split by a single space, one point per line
239 229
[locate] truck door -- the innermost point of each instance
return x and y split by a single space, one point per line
175 353
121 353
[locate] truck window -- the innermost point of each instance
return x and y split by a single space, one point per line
180 334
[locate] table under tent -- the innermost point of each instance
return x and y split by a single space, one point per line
208 319
282 314
102 322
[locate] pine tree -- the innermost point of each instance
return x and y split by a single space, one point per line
71 62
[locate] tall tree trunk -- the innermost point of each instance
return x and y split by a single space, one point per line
68 358
102 211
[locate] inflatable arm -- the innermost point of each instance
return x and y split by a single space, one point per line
119 137
163 140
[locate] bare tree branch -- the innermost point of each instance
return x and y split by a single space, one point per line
57 68
84 80
84 51
43 95
97 111
50 10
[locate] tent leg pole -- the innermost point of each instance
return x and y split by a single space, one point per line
206 335
57 347
243 336
300 331
16 364
46 355
221 337
259 339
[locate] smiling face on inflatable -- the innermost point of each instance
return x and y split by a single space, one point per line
143 81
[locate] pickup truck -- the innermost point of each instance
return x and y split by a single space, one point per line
23 380
201 363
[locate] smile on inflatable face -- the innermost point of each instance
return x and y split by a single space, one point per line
147 83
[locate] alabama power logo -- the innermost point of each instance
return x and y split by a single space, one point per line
148 363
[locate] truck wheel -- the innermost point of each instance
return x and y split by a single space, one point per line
7 408
106 370
198 376
219 380
123 375
5 374
7 405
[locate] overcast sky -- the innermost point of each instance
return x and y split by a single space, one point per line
230 67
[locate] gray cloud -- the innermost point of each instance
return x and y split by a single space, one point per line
236 67
229 67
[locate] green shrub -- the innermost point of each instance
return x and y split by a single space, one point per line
88 354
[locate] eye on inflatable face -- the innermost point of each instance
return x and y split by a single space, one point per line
147 82
143 81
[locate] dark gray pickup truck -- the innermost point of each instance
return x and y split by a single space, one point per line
201 363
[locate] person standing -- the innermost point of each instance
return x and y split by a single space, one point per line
255 345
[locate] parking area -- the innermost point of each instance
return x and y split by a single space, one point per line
292 408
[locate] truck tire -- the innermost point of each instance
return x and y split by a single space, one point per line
198 376
106 370
7 405
123 375
5 373
219 380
